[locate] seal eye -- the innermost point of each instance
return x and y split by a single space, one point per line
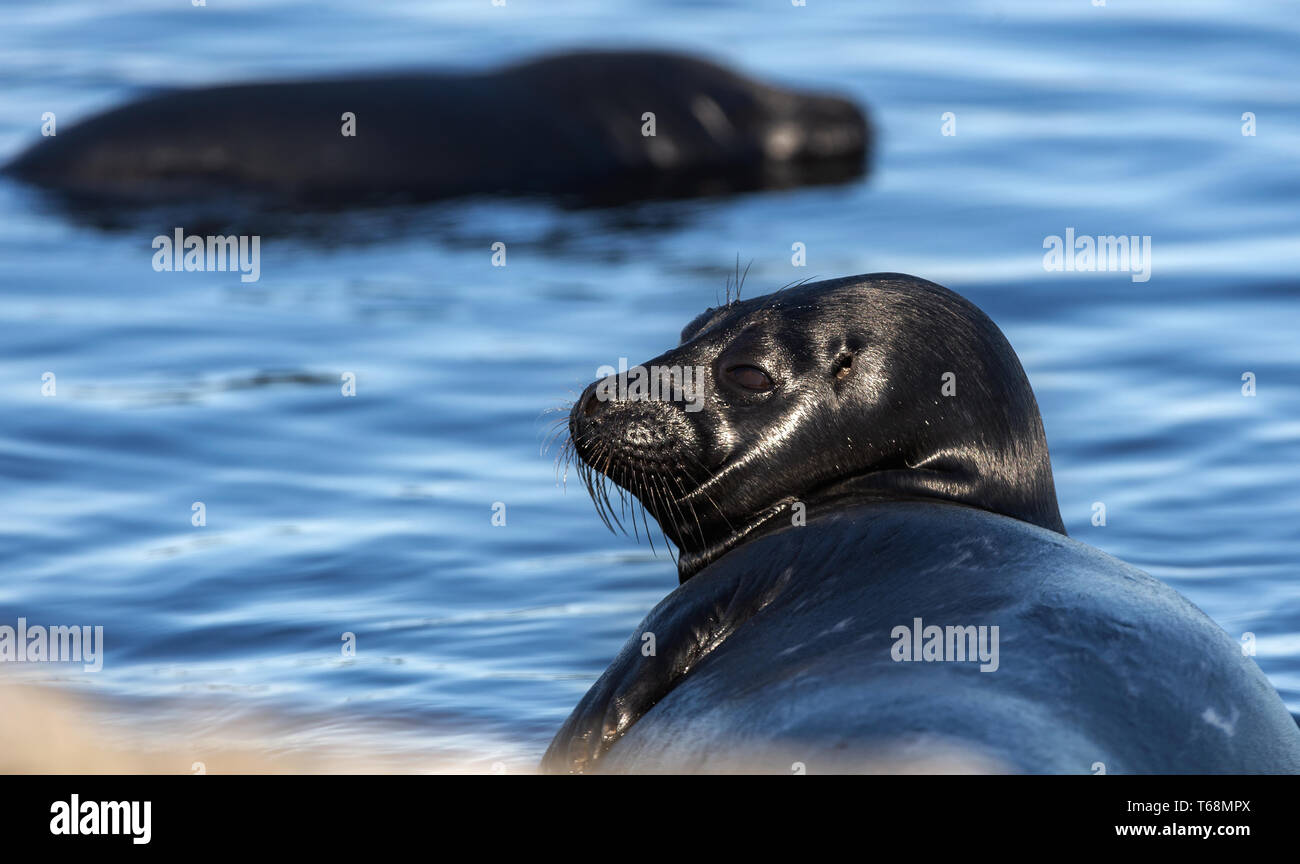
749 377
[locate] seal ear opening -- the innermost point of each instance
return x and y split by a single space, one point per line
843 365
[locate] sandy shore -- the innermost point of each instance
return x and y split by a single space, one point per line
48 731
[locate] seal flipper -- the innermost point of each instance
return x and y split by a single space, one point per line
686 625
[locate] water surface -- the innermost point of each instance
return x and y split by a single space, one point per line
372 515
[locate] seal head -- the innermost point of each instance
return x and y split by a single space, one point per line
817 395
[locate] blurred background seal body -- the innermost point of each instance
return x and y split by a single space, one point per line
574 125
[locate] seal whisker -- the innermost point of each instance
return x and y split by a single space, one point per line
603 481
665 497
559 428
595 483
701 488
647 489
728 299
676 502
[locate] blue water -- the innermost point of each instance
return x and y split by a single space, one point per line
372 514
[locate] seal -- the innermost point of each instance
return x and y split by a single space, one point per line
574 125
873 566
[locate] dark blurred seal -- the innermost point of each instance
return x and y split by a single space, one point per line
592 127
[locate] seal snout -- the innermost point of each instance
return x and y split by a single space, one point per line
632 429
811 128
839 129
631 415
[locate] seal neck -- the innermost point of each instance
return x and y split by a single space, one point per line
876 485
690 562
952 486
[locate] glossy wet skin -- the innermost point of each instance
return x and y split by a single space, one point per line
833 394
812 394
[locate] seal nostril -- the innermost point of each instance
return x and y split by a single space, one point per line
590 404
